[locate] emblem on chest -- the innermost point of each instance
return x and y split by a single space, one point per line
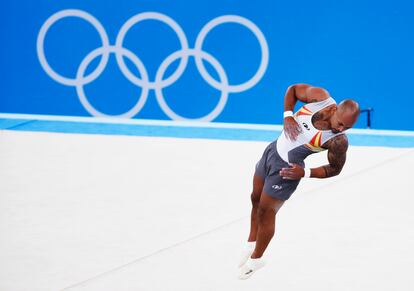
305 125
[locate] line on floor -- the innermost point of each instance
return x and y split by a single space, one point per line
103 274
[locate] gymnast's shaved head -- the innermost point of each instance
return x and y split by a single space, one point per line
345 116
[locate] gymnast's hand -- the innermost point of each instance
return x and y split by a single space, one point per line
291 128
295 172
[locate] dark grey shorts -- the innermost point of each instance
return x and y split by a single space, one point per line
268 168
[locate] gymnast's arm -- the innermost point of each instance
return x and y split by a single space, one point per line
306 94
337 148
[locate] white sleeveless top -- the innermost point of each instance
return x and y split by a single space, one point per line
310 140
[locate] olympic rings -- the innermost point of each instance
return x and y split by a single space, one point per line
143 80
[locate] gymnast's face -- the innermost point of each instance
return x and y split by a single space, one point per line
343 119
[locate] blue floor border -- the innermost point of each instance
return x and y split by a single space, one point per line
170 129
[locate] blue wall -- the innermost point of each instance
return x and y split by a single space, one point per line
355 49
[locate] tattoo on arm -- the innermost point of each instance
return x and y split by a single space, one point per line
336 155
